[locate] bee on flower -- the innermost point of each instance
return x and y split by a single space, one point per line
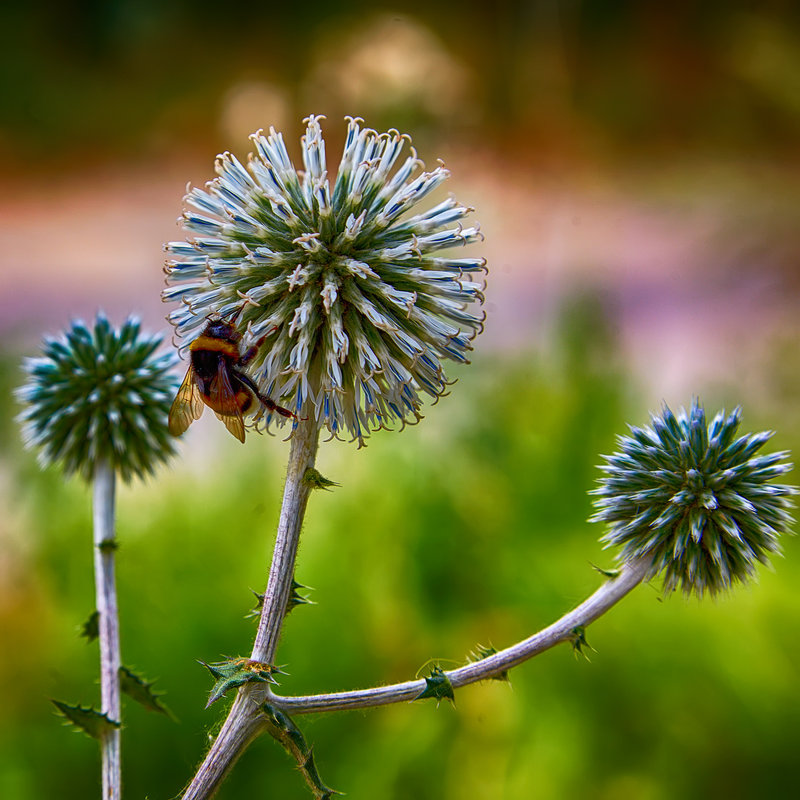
351 291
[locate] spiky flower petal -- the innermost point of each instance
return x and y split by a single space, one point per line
356 298
695 499
99 395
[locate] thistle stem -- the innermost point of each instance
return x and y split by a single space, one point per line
245 721
302 456
108 623
608 595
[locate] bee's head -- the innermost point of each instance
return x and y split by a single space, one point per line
218 328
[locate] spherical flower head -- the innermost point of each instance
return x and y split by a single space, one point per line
99 395
695 500
353 297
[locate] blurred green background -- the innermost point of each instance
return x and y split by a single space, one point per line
635 169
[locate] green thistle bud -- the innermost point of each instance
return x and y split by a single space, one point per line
96 396
351 293
695 500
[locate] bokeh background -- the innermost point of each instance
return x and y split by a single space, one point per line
635 168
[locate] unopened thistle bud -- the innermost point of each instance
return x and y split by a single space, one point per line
99 395
695 500
354 294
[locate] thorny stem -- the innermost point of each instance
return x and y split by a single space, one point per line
108 623
245 722
610 593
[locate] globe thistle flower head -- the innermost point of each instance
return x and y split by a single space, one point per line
99 395
350 288
695 499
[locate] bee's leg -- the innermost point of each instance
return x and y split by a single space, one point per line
268 402
249 354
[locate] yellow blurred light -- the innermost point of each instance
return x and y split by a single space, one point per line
251 105
389 61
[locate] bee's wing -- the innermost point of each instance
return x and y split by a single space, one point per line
223 401
187 406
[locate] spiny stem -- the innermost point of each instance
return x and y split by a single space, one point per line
610 593
295 497
245 720
106 601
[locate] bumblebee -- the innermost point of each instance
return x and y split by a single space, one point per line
217 379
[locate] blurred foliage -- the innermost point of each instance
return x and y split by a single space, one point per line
121 75
467 529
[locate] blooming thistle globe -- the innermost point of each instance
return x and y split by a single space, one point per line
695 500
99 395
356 301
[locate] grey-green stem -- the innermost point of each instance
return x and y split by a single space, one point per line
245 722
608 595
108 624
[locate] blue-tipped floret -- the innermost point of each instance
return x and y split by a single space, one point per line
695 499
99 395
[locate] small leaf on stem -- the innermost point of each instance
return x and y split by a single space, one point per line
317 481
295 599
312 776
579 643
91 722
608 573
138 689
90 629
480 652
437 685
286 726
283 728
237 672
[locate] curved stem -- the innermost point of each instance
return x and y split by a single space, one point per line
108 625
610 593
245 721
